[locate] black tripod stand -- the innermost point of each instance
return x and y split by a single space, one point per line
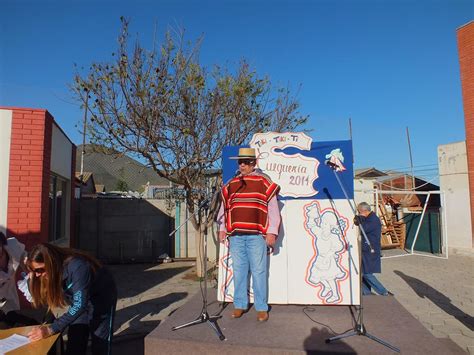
359 328
204 317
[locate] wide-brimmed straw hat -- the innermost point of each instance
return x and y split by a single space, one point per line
245 153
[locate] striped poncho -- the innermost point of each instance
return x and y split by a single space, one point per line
245 200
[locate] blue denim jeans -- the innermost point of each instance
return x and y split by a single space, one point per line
249 252
370 282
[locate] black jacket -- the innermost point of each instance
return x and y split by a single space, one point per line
90 295
373 228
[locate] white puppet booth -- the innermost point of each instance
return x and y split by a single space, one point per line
316 257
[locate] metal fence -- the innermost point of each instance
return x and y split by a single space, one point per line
124 230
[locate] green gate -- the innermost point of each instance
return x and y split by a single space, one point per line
429 237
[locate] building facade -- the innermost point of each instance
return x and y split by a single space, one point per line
37 163
454 182
465 36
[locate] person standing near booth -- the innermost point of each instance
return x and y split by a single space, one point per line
250 218
371 262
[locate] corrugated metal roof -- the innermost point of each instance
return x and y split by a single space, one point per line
109 169
368 172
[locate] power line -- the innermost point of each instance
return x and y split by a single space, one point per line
415 170
409 167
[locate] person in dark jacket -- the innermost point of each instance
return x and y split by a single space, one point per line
66 277
370 261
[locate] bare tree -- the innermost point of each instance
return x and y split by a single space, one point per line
164 107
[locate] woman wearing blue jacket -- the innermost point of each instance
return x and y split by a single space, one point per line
63 277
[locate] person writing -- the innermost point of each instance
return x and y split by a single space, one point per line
63 277
249 216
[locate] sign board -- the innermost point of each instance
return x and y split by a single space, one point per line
316 259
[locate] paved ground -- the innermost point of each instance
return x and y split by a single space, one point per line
148 294
439 293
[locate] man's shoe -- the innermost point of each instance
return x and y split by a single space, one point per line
262 316
237 313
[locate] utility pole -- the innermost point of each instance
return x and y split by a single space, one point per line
84 139
411 160
350 135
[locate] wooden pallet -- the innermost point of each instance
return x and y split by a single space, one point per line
393 232
400 229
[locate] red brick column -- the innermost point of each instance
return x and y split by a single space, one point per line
28 188
466 60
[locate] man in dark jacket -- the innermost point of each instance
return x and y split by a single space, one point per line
370 261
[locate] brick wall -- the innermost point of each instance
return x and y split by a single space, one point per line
28 190
465 36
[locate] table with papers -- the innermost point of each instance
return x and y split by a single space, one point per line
18 338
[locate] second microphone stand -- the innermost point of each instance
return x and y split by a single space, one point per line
204 317
359 328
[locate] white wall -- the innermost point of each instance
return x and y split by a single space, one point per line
192 233
61 160
61 154
5 140
360 196
453 177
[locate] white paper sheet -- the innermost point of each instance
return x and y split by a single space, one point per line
12 342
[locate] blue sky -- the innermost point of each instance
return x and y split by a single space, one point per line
386 64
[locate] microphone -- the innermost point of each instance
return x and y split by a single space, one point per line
236 174
331 164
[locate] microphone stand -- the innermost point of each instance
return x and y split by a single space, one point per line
359 328
204 317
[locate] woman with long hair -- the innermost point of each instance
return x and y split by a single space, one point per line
63 277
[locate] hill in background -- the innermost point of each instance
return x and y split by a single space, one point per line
116 172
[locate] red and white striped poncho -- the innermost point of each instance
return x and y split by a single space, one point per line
245 201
